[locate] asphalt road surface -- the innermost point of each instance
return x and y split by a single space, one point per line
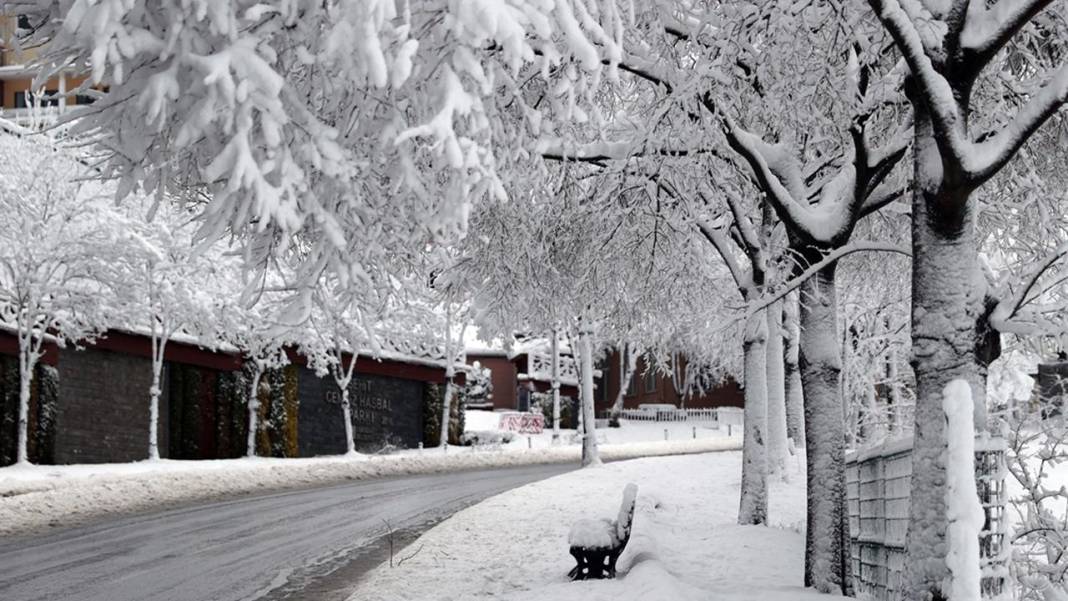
311 545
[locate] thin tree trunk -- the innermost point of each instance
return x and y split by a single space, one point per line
446 409
253 411
26 364
450 373
946 306
590 455
631 358
753 505
795 398
159 344
346 412
778 447
556 385
827 566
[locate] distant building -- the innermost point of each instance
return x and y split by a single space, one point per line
20 103
527 369
651 386
91 405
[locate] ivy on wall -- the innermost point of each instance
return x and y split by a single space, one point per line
41 425
278 413
433 395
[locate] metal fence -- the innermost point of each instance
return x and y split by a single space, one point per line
878 483
671 415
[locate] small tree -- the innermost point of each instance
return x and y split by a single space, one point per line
171 287
55 235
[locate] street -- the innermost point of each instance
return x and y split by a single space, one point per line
308 544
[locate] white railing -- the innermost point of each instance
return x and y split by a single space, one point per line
35 118
717 415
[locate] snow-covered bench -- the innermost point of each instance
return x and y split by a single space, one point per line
597 543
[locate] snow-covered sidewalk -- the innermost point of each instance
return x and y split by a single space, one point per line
685 543
35 498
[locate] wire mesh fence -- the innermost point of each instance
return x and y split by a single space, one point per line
878 483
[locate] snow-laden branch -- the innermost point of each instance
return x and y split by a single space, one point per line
989 156
936 92
557 149
742 278
1004 316
987 30
815 268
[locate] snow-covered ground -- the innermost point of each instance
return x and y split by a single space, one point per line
685 543
33 498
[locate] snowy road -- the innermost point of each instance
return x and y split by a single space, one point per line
307 544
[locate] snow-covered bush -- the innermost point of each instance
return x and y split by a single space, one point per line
487 437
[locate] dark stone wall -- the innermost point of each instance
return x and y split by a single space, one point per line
385 411
102 412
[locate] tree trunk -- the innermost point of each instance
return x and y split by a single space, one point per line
346 411
253 412
946 306
827 565
446 410
590 455
26 364
753 506
795 398
629 362
153 405
778 448
556 386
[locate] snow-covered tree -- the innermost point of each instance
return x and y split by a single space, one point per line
56 236
343 327
262 341
170 287
947 47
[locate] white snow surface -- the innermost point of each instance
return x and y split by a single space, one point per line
35 498
685 544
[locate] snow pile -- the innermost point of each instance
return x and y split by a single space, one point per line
963 511
685 544
34 498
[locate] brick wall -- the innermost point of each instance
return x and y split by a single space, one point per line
102 413
384 410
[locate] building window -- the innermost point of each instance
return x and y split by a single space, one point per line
50 98
84 99
650 380
632 384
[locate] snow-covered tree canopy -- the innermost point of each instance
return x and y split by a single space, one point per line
347 122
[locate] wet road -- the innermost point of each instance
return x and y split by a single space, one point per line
311 544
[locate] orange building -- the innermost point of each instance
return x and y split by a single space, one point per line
19 102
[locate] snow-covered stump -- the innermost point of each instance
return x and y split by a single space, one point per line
827 536
596 544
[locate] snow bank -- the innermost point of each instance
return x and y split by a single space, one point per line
685 544
963 510
34 498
